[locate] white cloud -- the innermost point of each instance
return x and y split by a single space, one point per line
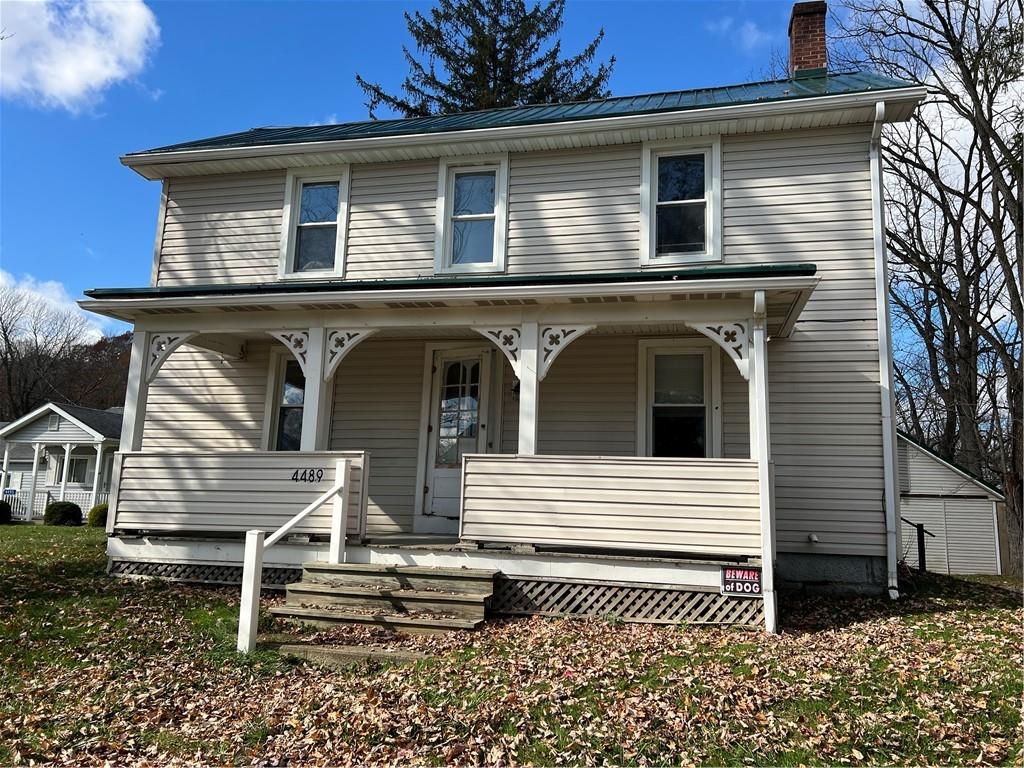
331 119
746 35
56 295
66 53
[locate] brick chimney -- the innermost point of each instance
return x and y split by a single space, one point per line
807 55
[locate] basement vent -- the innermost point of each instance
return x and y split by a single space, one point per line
415 304
250 308
630 602
170 311
506 302
602 299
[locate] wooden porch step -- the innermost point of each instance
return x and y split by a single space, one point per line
328 617
463 605
472 581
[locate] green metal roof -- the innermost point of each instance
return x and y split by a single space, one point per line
320 286
672 101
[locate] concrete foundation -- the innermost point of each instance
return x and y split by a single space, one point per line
834 574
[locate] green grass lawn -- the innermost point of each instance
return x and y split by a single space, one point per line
94 669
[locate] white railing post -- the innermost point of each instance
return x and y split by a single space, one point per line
252 577
339 512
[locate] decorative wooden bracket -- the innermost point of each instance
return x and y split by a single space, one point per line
160 347
555 338
508 340
297 343
340 342
733 337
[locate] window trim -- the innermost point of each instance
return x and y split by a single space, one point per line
712 389
294 180
447 170
59 469
650 152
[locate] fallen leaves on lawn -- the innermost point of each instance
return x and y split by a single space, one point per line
137 673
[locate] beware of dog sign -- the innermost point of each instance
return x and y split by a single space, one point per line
741 581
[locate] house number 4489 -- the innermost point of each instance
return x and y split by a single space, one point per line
307 475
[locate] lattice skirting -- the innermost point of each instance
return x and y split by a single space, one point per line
630 602
203 573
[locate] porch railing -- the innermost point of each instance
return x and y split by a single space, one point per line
230 492
700 506
257 542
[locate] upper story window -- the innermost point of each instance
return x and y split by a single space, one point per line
471 217
679 202
313 230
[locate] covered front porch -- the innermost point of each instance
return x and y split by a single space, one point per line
621 421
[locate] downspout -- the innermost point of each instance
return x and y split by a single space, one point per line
885 375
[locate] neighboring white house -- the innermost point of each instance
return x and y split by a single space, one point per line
959 509
617 351
58 452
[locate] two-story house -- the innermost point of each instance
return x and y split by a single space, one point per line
605 349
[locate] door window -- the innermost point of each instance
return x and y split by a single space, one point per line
678 405
459 418
289 408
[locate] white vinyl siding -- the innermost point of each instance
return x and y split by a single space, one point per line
391 220
377 399
683 505
221 229
921 472
574 211
198 402
38 431
229 492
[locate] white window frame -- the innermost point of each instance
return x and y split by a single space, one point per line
53 423
290 220
447 170
650 153
59 469
647 348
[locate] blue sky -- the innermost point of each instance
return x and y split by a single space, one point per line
83 84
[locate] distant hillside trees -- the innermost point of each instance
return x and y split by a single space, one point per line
478 54
46 354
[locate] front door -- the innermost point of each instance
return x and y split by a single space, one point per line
457 425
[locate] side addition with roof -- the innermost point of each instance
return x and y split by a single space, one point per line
615 351
960 510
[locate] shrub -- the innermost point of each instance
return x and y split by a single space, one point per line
97 516
5 512
62 513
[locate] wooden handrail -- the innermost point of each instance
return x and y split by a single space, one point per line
257 542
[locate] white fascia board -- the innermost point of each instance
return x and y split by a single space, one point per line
150 160
120 308
28 418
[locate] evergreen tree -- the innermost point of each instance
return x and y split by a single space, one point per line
490 53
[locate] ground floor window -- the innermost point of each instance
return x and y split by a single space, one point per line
77 470
677 400
291 396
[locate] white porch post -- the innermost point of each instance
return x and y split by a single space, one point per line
529 388
36 448
7 461
315 402
96 474
760 444
136 394
64 471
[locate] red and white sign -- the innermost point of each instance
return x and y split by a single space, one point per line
741 581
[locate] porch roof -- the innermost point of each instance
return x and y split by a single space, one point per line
787 286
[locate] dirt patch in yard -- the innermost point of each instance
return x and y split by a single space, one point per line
93 669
